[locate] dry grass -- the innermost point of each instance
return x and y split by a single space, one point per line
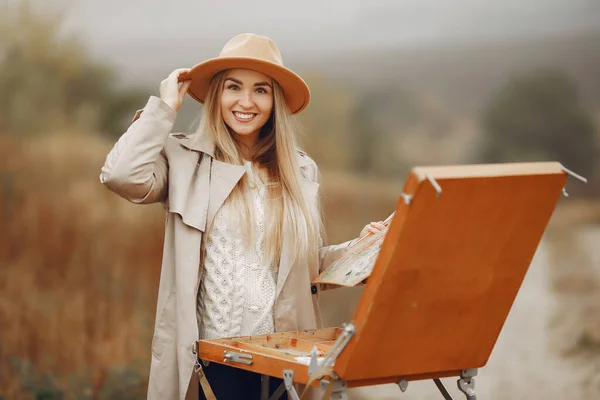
79 271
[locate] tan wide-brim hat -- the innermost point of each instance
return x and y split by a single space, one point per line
258 53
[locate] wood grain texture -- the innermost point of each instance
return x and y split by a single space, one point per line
263 361
450 269
272 353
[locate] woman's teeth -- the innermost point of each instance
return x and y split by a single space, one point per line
243 116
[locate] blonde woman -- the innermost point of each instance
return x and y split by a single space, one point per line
242 239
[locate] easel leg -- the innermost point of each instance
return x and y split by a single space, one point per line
277 393
466 383
264 387
335 390
442 389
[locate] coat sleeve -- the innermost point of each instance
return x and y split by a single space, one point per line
136 168
328 254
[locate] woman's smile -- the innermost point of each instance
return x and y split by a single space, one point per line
244 117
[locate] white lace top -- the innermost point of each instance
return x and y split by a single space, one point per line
237 292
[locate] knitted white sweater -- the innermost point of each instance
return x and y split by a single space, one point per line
237 292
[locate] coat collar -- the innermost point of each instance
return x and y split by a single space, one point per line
205 144
202 143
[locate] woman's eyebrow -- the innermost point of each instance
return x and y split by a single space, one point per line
242 84
235 80
262 84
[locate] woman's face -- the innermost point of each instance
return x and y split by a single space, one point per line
246 101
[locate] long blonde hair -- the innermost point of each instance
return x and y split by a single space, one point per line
276 151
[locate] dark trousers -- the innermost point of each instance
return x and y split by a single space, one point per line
230 383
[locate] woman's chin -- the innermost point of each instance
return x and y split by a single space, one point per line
244 130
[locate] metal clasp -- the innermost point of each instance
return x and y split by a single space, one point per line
574 175
238 357
466 383
288 380
435 185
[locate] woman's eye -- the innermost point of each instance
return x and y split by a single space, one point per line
261 90
233 87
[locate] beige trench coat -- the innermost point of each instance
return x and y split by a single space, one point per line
150 164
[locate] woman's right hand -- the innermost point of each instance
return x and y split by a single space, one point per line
373 227
170 91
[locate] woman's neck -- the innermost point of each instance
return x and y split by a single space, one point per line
246 143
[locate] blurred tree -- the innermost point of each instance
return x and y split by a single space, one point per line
396 128
327 123
538 116
380 117
48 82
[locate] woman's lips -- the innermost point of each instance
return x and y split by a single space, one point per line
243 117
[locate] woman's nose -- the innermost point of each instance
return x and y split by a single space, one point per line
246 100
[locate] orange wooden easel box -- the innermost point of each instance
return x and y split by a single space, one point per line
449 269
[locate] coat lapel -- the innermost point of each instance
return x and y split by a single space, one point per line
223 179
220 177
285 262
189 174
310 190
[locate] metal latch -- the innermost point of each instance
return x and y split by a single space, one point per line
238 357
288 380
466 383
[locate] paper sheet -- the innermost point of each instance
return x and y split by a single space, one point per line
356 265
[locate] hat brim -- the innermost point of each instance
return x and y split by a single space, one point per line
295 90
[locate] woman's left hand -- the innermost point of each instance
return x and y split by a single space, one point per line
373 227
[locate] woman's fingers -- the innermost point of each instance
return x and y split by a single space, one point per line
378 225
170 92
175 77
183 89
180 74
375 227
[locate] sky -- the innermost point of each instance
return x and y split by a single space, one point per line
324 24
136 33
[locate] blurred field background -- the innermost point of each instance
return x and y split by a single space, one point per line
394 85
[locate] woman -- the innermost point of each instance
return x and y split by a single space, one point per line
242 239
